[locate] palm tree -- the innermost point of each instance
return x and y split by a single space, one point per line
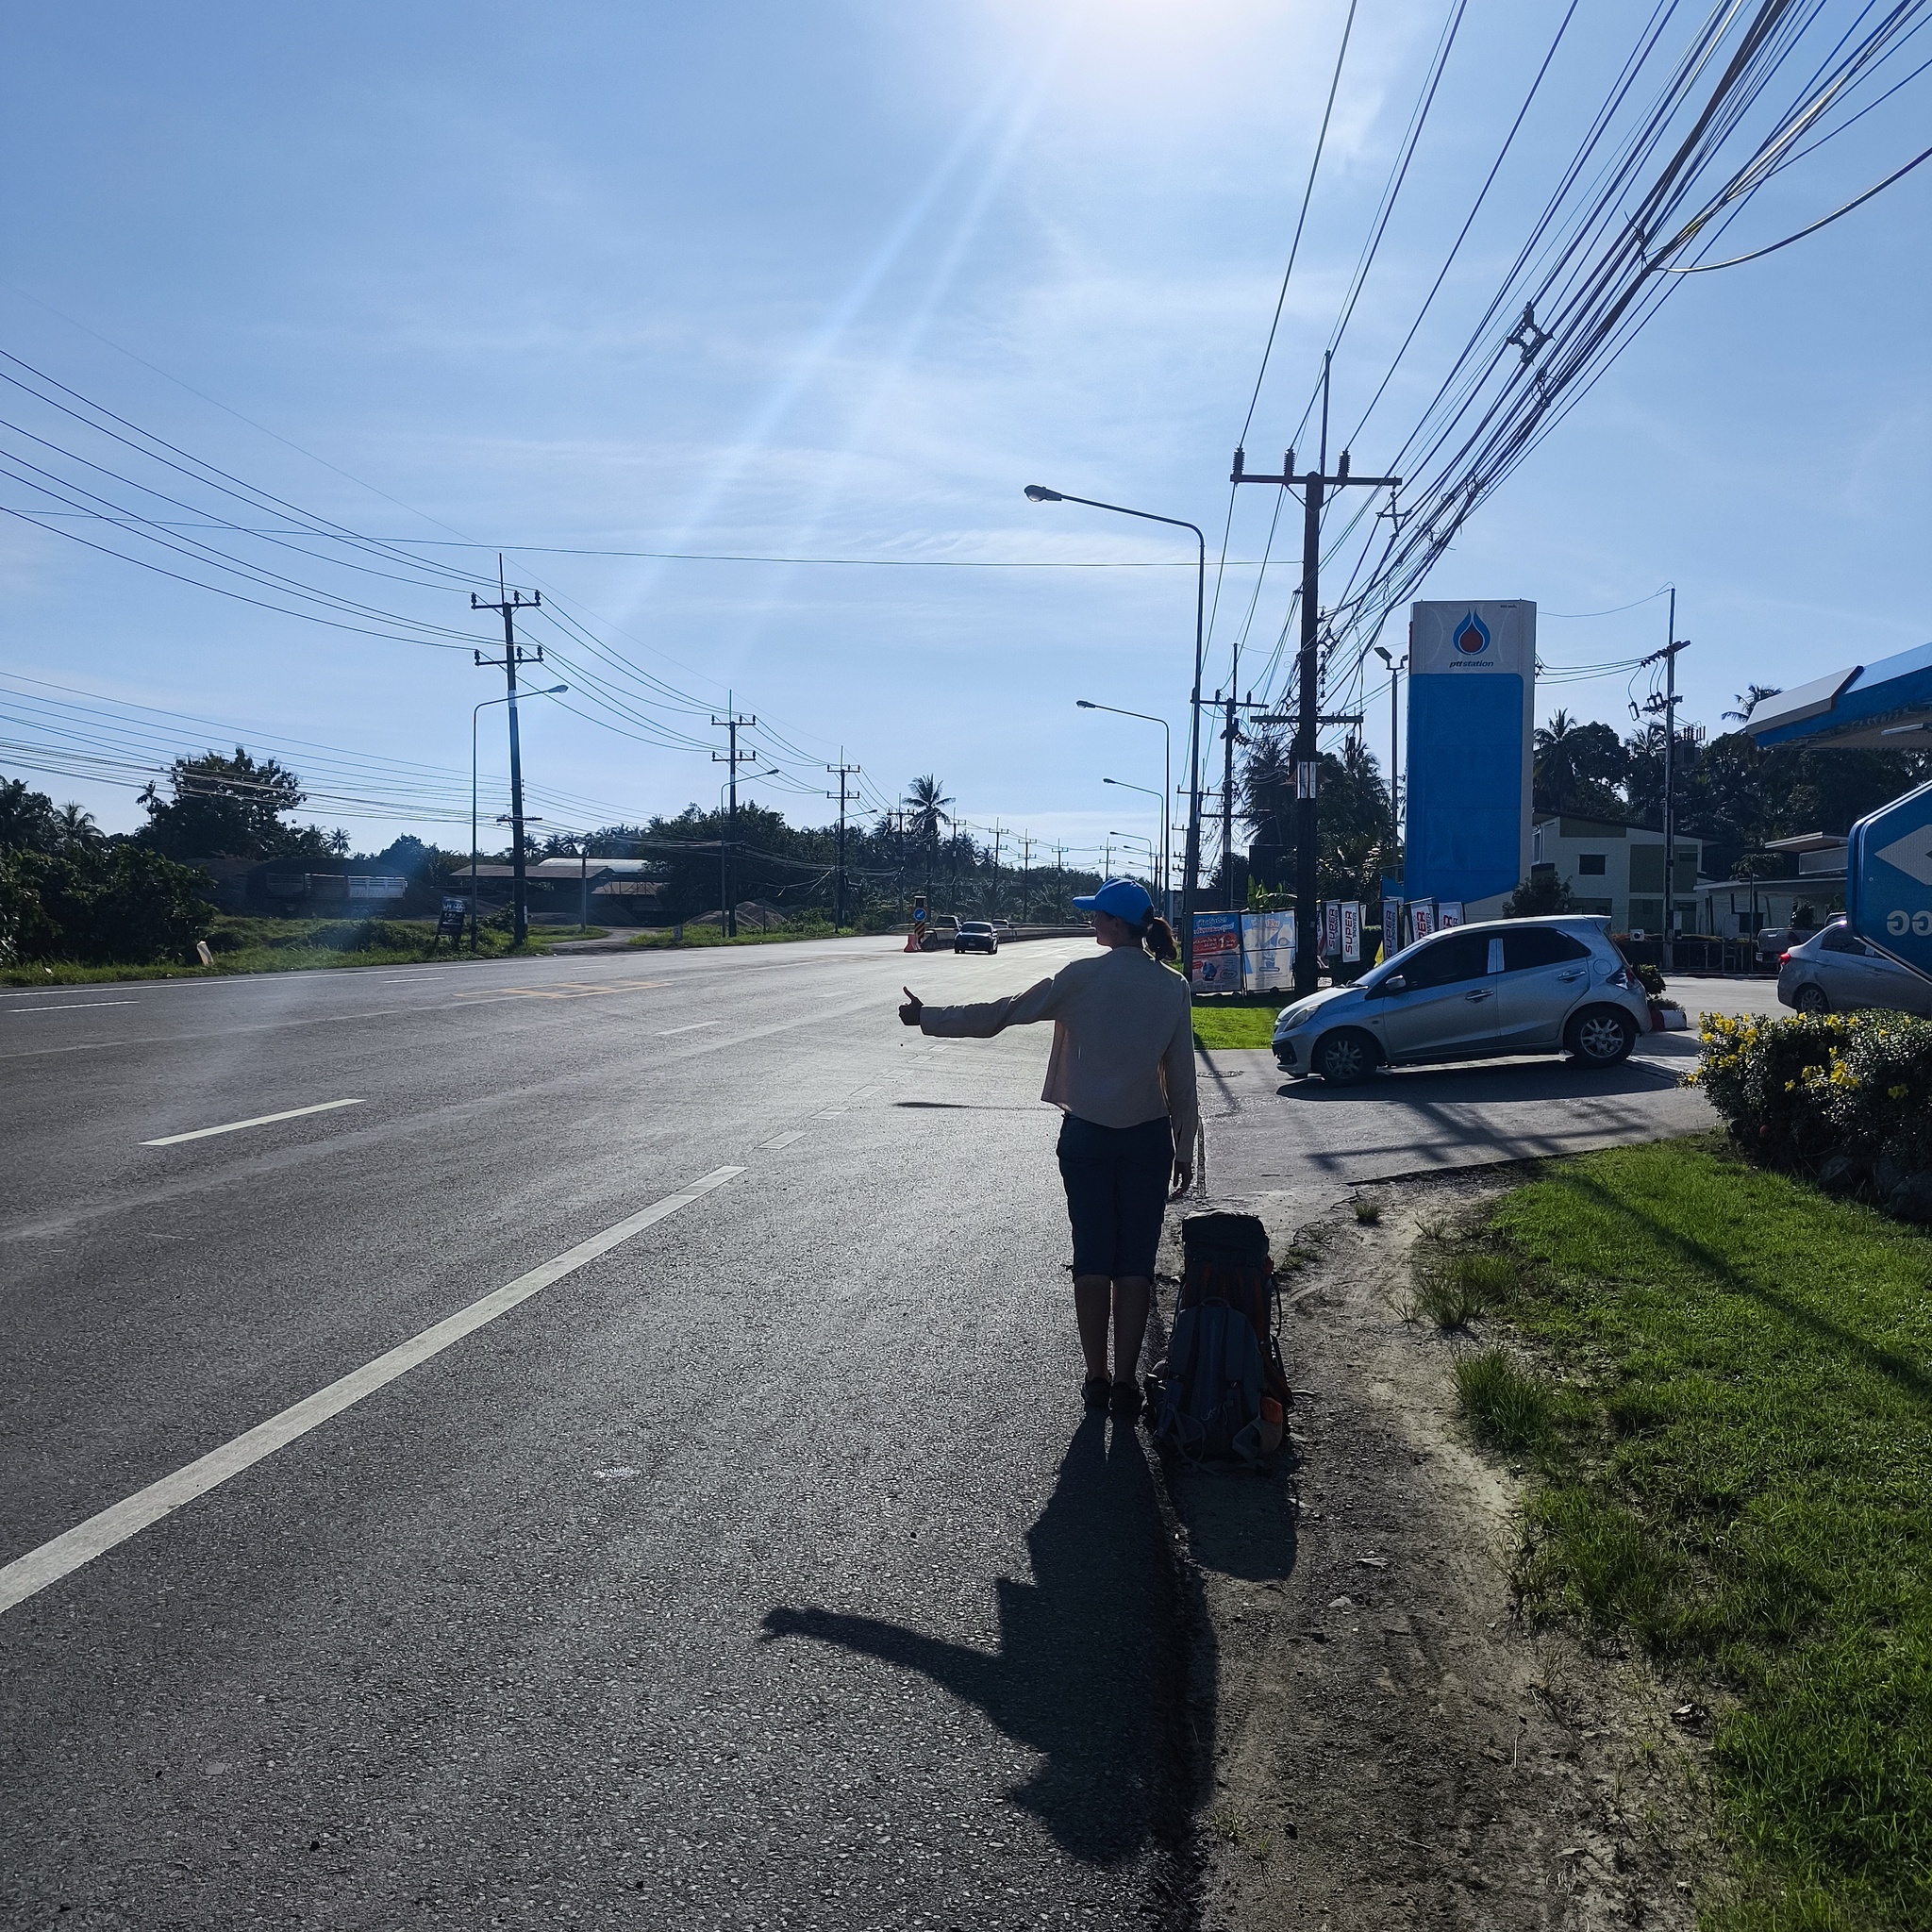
1751 697
928 802
75 828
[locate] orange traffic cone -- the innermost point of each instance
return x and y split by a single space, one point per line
912 941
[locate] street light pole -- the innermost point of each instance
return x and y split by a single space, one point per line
1126 787
1037 493
1166 794
1395 740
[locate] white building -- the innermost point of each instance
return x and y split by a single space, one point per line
1809 888
1614 867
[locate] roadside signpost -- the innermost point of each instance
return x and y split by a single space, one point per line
1889 880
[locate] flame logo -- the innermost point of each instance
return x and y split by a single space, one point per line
1472 636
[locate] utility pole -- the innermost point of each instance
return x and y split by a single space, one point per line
734 757
1232 734
1314 485
842 772
994 910
1026 874
513 655
1668 706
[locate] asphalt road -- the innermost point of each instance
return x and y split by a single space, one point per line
625 1469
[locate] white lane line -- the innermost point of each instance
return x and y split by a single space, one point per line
78 1006
665 1032
831 1113
30 1575
785 1139
260 1119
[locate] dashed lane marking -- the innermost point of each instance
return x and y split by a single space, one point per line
30 1575
76 1007
665 1033
260 1119
783 1140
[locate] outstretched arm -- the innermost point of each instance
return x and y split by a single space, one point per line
985 1018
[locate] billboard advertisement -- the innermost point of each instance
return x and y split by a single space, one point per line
1267 944
1216 951
1472 702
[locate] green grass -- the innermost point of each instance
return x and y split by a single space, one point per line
714 936
1508 1405
1735 1456
1236 1019
1468 1285
278 945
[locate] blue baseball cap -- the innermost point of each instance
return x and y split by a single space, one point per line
1123 898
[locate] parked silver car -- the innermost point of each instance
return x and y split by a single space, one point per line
1506 986
1835 971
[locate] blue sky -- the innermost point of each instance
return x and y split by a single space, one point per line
837 281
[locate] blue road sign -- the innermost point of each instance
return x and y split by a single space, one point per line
1889 880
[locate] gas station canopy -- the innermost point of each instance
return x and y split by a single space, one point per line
1882 706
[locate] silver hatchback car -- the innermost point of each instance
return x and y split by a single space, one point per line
1506 986
1835 971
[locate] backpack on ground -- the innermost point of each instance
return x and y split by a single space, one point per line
1226 1259
1210 1388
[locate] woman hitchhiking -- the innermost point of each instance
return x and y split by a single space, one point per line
1123 1069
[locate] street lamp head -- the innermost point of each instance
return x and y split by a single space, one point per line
1385 656
1110 781
1086 704
1039 492
551 691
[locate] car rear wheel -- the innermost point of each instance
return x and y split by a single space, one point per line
1601 1037
1344 1058
1811 999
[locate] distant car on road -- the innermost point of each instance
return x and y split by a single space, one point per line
1835 971
975 936
1506 986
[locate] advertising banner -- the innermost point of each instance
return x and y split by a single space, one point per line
1421 918
1448 913
1351 932
1331 928
1268 946
1216 951
1391 927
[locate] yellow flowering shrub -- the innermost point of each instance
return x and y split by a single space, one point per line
1800 1092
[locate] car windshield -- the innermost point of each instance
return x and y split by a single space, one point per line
1377 974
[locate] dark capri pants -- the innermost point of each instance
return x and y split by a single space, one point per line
1116 1180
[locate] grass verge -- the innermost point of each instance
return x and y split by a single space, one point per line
279 945
713 936
1735 1455
1225 1020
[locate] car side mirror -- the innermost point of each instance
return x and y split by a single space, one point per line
1396 983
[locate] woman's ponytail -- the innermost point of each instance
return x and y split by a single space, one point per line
1158 937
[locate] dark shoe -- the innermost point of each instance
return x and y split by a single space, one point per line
1124 1403
1095 1390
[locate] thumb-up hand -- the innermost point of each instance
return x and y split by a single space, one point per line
909 1012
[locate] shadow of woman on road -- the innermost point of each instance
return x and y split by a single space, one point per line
1090 1670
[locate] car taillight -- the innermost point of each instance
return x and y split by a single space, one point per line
1784 959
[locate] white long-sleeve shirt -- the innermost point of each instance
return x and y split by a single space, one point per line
1123 1039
